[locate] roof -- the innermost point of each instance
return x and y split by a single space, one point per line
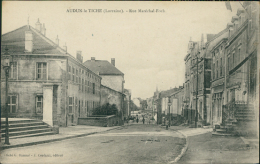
15 41
212 43
168 92
103 67
210 37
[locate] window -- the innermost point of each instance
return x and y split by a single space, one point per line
69 71
217 70
233 57
77 78
213 71
12 103
73 74
220 67
228 65
238 58
86 106
93 88
13 70
82 85
71 102
39 105
79 83
41 71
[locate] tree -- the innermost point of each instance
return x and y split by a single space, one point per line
144 104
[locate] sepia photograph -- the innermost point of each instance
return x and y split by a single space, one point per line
125 82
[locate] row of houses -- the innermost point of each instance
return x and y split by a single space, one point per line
220 76
47 83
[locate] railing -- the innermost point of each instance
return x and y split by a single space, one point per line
228 111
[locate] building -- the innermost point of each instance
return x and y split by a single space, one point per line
240 92
127 103
177 106
164 106
46 82
218 80
197 91
112 84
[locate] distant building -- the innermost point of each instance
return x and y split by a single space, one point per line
137 102
112 84
127 103
46 82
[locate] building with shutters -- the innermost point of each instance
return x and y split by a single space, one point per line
46 82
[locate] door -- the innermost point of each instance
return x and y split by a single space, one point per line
47 104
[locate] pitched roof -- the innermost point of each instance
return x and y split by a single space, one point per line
217 38
210 37
103 67
168 92
15 41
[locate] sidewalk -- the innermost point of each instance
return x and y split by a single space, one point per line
205 148
64 133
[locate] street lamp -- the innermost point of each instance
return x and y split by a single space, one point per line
169 105
6 66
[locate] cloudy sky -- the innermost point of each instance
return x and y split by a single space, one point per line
149 48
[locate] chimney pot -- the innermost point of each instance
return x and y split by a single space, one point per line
113 62
38 25
65 47
93 59
79 56
43 30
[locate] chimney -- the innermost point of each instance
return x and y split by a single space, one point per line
65 47
113 62
79 56
28 41
38 26
57 40
92 59
43 30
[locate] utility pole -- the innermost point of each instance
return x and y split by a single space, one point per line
196 112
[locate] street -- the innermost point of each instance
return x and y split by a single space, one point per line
136 143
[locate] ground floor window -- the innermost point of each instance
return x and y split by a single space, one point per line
39 104
71 102
12 104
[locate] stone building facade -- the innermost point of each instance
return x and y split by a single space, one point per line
45 81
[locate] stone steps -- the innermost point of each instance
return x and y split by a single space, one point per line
19 128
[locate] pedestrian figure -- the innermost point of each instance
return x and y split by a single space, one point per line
137 120
143 120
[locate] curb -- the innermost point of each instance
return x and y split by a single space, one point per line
184 149
3 147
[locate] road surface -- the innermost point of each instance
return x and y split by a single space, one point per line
130 144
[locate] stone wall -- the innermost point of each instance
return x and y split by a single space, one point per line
103 121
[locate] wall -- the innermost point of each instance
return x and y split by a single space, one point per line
114 82
26 87
111 96
100 121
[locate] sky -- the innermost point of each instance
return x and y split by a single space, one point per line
149 48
